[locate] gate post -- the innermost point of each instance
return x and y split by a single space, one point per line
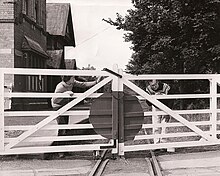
115 109
213 107
2 132
117 113
121 129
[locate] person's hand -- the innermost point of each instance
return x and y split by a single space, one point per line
70 93
159 93
99 78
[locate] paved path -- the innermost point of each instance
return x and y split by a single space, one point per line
191 164
69 167
45 167
188 164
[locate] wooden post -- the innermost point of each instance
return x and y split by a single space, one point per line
118 113
213 107
115 109
2 110
121 117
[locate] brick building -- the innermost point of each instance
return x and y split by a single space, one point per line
23 38
24 41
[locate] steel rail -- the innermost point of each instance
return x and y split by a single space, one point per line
155 170
99 167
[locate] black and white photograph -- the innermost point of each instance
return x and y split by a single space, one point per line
110 87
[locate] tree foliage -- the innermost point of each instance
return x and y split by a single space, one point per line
172 36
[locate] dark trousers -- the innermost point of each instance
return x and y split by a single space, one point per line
61 120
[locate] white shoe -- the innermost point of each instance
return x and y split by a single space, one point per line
163 140
171 149
202 139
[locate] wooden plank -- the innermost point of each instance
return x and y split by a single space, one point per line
38 139
2 121
56 114
48 95
166 109
179 96
167 135
177 124
170 76
61 72
129 148
96 95
44 113
213 107
188 112
49 149
50 127
115 104
121 117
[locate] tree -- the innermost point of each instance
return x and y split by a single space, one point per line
172 36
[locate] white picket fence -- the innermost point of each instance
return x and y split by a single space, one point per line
22 138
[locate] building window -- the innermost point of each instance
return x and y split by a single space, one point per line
36 83
49 43
25 7
36 11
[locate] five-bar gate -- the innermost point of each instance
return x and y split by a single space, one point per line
23 132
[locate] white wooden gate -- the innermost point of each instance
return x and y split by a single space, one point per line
34 138
22 138
201 131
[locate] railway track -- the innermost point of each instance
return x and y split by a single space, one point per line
99 167
151 165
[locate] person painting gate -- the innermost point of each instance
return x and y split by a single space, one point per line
66 86
156 87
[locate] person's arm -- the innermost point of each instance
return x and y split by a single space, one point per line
86 84
83 84
61 101
150 91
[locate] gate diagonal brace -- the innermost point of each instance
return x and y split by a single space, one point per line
112 72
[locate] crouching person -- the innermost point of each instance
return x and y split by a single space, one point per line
156 87
66 86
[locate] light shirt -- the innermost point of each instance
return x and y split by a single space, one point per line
62 87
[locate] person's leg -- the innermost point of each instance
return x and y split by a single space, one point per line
156 120
163 128
62 120
164 121
61 132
